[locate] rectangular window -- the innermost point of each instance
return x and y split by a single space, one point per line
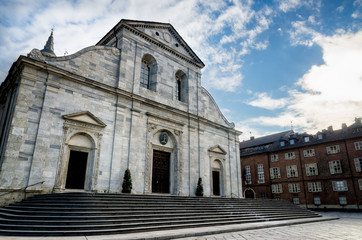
282 143
294 187
311 169
360 184
358 145
333 149
296 200
306 139
290 155
335 167
292 171
274 157
275 172
340 185
248 175
178 88
276 188
358 164
261 178
320 136
314 187
317 200
342 200
145 75
309 153
292 141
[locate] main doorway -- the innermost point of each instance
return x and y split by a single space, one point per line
76 170
161 172
216 183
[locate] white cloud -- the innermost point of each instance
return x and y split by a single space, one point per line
301 34
340 9
330 93
289 5
263 100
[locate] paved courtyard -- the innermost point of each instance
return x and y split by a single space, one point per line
349 226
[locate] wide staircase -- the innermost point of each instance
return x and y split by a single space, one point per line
71 214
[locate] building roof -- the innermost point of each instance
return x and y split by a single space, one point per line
272 143
136 27
254 142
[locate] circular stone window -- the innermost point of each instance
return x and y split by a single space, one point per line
167 37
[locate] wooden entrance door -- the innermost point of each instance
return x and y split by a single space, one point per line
216 183
161 172
76 170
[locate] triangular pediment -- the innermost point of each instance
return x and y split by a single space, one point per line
162 34
217 149
85 117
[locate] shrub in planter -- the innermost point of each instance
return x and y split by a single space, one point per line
127 182
199 188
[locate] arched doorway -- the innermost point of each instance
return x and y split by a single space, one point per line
217 178
164 163
79 169
249 193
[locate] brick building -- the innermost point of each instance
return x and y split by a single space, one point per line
315 171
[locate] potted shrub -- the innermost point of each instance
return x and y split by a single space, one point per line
127 182
199 188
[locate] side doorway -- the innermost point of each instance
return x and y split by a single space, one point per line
77 168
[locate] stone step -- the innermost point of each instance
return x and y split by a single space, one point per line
91 214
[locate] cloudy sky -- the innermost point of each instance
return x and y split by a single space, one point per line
269 64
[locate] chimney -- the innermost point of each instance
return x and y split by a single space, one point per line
357 120
330 129
344 126
252 138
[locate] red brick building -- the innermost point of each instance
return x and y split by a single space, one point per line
315 171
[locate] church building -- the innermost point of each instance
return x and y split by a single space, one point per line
133 101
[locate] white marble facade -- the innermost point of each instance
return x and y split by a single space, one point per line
93 102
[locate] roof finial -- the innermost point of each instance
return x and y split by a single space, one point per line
291 125
48 49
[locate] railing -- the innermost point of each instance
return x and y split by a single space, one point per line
234 195
21 189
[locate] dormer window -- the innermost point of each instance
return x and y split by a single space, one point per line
282 144
320 136
292 141
306 139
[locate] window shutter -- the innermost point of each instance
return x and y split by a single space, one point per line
331 167
278 172
288 171
357 164
271 173
290 187
334 186
307 169
310 187
345 186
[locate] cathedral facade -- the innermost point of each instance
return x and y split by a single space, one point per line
133 101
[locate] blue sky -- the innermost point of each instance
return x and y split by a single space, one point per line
269 64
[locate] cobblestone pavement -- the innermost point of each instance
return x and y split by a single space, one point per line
349 226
